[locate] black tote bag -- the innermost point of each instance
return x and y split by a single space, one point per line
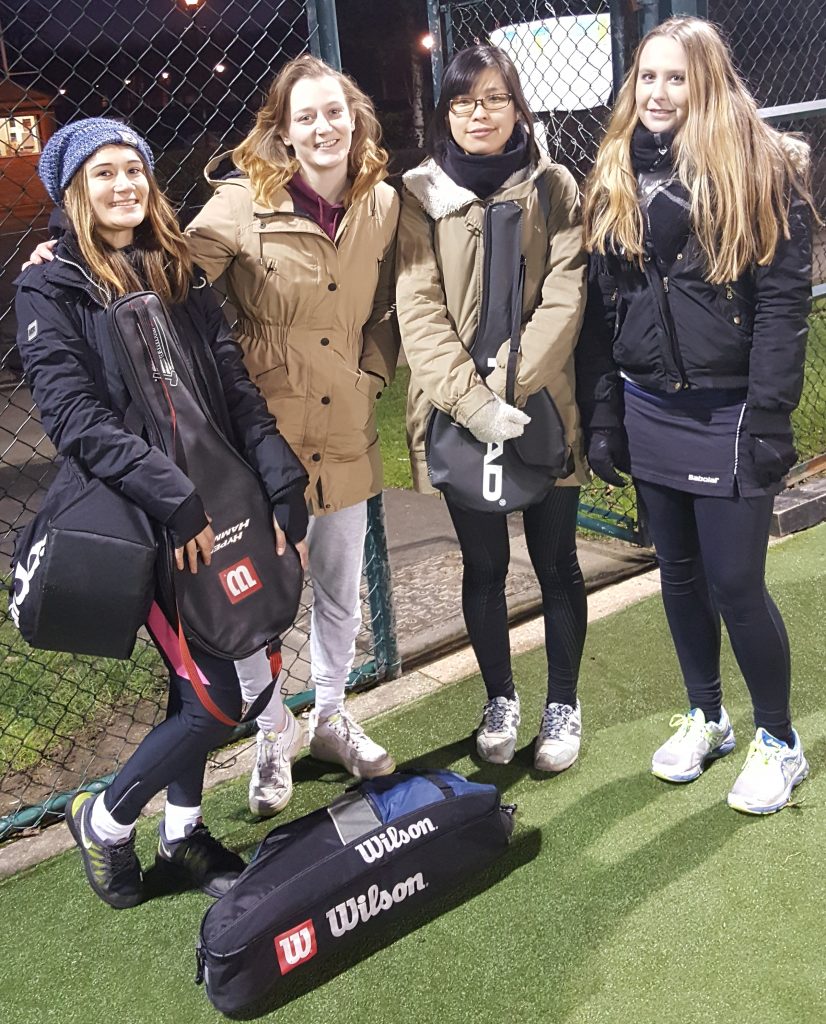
83 568
248 595
511 475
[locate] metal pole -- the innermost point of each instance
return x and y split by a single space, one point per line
696 8
649 15
327 22
617 13
434 26
380 593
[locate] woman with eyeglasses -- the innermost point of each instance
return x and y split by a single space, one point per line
482 150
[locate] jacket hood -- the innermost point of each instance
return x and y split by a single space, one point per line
439 194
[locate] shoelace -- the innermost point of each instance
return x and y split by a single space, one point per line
350 731
272 751
497 713
554 721
120 859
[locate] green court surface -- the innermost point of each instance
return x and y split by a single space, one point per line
623 899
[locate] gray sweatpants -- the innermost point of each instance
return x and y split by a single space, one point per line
336 553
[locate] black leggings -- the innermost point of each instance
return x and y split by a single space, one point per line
712 556
550 533
174 753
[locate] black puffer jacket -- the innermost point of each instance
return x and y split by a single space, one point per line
668 329
69 363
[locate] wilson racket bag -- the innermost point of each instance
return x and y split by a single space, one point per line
317 883
510 475
248 595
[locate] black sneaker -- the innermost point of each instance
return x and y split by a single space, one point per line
113 869
199 860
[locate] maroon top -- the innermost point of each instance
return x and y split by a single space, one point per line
311 204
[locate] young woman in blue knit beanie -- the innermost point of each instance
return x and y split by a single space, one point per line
124 238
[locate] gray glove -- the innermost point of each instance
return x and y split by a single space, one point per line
497 421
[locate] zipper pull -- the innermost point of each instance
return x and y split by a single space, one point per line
665 284
199 965
729 292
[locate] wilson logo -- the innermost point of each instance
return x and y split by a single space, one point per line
346 916
240 580
295 946
492 472
376 847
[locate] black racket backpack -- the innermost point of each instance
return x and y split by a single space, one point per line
248 595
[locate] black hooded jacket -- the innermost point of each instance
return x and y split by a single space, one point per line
63 338
669 329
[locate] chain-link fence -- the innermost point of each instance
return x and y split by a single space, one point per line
780 48
571 56
189 76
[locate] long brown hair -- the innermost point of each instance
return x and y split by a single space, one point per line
267 162
165 259
739 171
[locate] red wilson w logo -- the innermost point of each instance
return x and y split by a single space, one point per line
295 946
240 580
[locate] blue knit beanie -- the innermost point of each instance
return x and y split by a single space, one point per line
67 150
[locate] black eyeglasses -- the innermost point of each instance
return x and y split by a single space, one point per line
464 106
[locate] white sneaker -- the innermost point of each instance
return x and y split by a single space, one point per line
771 772
342 740
560 734
271 782
684 756
496 736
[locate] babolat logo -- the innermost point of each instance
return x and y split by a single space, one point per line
492 473
375 847
230 536
240 580
295 946
346 916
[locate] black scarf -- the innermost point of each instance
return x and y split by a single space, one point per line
663 197
483 175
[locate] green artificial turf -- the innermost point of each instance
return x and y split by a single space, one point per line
622 900
390 413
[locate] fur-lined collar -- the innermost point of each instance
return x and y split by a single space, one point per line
440 195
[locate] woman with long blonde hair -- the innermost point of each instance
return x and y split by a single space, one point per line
698 219
304 232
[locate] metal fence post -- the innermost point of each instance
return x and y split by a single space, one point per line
380 593
323 31
696 8
617 13
434 27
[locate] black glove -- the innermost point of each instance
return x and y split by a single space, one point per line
291 514
607 452
772 456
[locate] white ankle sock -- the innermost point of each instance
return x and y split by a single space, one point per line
176 819
104 825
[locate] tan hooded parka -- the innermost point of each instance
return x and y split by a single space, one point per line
315 322
438 292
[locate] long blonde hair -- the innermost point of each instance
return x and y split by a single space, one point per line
266 161
739 171
165 259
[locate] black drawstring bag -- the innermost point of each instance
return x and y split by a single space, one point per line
83 569
248 595
510 475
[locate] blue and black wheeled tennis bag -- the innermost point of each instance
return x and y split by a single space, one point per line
380 849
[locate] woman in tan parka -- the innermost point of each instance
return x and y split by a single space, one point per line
305 236
482 150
